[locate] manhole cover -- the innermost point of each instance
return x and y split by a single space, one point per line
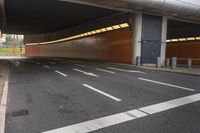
19 113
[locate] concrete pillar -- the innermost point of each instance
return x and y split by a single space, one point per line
163 40
136 20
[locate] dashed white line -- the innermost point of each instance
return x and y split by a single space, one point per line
79 65
123 70
36 62
86 73
166 84
105 70
100 123
53 63
46 66
60 73
103 93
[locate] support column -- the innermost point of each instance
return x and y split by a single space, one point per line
163 39
136 21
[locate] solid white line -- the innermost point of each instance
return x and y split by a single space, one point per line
46 66
60 73
86 73
171 104
105 70
3 105
100 123
175 86
123 70
79 65
103 93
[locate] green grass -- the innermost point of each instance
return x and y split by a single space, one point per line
9 51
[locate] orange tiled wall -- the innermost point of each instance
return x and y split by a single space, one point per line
184 50
112 46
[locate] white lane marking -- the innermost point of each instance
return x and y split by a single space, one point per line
36 62
65 62
175 86
3 105
156 108
86 73
53 63
60 73
105 70
46 66
100 123
123 70
103 93
79 65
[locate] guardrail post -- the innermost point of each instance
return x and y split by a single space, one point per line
138 61
158 64
167 62
174 62
189 63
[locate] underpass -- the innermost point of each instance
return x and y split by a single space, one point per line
90 66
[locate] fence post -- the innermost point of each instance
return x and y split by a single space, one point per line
158 64
189 63
174 62
138 61
167 62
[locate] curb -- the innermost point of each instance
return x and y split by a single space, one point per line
3 105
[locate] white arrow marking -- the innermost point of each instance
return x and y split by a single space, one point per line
86 73
131 71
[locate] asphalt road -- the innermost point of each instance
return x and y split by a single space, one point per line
56 95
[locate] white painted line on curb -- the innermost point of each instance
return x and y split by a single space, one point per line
123 70
79 65
86 73
100 123
46 66
60 73
103 93
175 86
105 70
3 105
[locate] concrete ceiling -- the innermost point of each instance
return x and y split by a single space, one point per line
40 16
179 29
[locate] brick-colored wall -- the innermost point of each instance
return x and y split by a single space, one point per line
111 46
184 50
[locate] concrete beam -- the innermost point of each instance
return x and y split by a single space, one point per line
183 9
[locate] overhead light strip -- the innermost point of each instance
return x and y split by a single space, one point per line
183 39
97 31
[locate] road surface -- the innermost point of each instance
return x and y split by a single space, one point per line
56 95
